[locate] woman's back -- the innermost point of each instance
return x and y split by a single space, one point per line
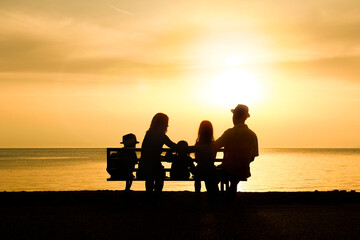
153 144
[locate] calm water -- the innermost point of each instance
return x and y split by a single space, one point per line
84 169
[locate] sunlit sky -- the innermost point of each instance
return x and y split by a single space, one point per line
84 73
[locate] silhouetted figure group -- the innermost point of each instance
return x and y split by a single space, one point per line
240 148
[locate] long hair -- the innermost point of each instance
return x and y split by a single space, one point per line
159 123
206 132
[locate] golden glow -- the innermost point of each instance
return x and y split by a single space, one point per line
78 76
233 61
235 86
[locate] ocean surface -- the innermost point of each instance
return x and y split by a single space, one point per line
284 170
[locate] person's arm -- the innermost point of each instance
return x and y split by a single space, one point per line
256 148
191 165
194 148
169 143
220 142
135 159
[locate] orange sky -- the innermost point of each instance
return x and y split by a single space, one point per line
84 73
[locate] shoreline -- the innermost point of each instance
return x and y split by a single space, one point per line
338 196
180 215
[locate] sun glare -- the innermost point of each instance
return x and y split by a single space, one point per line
235 86
233 61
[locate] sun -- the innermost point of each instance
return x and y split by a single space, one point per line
233 86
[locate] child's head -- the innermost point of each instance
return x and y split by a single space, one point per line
182 147
206 132
129 140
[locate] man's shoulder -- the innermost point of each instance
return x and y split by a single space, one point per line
229 130
242 130
237 129
252 132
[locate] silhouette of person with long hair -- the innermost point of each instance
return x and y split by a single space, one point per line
150 166
240 149
205 158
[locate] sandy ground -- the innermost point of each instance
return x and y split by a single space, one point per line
180 215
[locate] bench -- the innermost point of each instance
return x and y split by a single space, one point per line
113 153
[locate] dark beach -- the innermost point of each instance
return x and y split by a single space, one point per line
180 215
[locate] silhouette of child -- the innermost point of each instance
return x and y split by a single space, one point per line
123 162
182 163
205 158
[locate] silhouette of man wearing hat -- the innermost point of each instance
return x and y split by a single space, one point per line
240 148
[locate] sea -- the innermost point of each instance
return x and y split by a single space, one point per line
276 169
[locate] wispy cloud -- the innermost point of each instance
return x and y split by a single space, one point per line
85 38
120 10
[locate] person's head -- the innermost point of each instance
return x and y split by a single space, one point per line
129 140
182 147
240 113
206 132
159 123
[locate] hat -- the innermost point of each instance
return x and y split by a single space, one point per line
129 138
241 109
